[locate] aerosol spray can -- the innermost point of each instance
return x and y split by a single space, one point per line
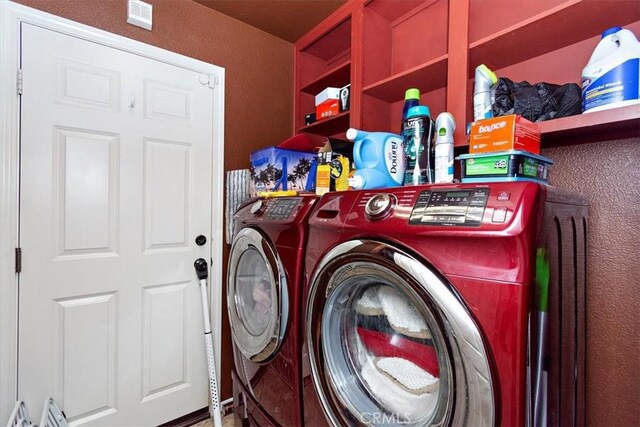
485 81
445 126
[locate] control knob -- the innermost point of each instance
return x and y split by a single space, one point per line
258 207
379 206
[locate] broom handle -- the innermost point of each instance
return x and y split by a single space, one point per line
201 270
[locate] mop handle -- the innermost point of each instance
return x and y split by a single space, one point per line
202 272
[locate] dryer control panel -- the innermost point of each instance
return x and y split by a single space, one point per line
281 208
450 207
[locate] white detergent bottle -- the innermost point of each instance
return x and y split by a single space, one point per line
484 82
445 126
612 76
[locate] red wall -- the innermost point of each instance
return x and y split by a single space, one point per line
259 76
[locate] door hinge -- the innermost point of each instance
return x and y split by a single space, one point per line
18 260
208 80
19 81
212 82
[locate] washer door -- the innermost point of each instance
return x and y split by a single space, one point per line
390 343
257 296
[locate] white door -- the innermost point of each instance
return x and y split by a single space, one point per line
115 185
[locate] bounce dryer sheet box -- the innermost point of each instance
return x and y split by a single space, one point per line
511 132
277 169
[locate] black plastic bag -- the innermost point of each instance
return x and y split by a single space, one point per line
537 102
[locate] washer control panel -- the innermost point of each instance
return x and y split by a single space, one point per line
281 209
450 207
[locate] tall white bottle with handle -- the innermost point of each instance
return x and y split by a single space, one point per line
612 76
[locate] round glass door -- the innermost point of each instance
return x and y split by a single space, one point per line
256 296
382 348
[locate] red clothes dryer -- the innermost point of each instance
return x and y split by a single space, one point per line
449 304
264 299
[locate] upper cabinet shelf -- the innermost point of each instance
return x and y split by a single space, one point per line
606 125
325 58
330 126
426 77
337 77
557 26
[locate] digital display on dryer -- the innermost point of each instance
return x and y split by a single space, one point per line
281 209
464 207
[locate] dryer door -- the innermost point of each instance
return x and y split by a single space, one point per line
390 343
257 296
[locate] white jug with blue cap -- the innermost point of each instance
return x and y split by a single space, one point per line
612 76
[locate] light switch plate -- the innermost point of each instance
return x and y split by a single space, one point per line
140 14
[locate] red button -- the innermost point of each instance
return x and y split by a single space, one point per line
504 196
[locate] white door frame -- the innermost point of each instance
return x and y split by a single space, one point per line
11 15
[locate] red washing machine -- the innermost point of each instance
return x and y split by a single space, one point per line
448 304
264 299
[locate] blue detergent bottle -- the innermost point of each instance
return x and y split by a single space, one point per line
378 159
417 130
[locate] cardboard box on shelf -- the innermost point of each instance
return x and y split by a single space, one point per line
275 169
309 118
504 133
328 93
328 108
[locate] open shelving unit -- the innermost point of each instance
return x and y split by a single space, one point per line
323 58
383 47
404 46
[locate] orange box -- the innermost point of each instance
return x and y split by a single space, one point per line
504 133
328 108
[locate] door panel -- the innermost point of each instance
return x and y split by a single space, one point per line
86 187
164 346
115 184
85 346
167 101
168 168
87 85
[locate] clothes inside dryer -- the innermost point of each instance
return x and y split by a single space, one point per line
257 296
384 352
254 290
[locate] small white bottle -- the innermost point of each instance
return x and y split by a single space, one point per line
445 126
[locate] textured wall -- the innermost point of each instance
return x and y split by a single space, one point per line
259 76
607 173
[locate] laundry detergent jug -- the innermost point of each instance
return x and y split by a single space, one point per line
612 76
378 159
